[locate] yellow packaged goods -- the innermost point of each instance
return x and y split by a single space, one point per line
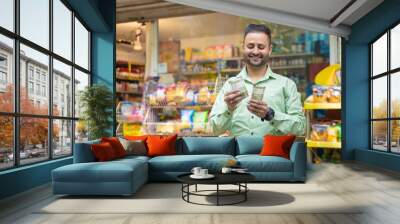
320 94
334 94
180 93
332 134
319 132
203 96
131 129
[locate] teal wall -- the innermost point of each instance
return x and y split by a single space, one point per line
356 85
99 16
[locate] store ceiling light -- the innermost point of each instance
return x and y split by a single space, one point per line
137 44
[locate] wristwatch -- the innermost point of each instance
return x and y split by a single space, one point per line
269 115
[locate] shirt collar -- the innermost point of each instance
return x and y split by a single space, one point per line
268 74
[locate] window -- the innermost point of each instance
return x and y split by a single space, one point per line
34 21
7 88
45 131
385 97
7 14
30 73
30 88
81 45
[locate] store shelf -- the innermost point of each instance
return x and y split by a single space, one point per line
310 105
130 79
320 144
198 73
183 107
288 67
130 93
292 55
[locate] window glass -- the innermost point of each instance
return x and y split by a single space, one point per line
62 91
81 82
62 29
81 45
6 142
7 14
395 136
39 61
62 138
379 56
379 135
34 143
395 95
34 21
395 47
6 74
379 98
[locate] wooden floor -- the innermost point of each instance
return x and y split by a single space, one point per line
377 188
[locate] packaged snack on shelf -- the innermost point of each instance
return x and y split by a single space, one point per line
238 84
319 132
199 121
166 128
187 116
334 94
203 96
320 94
189 98
332 135
131 129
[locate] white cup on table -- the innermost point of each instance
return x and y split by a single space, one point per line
203 172
196 171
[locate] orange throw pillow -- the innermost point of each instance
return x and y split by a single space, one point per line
275 145
161 145
103 152
116 145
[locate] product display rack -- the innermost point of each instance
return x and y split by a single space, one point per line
309 107
129 89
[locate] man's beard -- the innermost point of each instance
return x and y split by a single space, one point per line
260 61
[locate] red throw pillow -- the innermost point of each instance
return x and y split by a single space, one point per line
161 145
116 145
103 152
275 145
134 138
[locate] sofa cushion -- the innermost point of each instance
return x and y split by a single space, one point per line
112 171
185 163
159 145
249 145
208 145
103 152
134 147
257 163
277 145
116 145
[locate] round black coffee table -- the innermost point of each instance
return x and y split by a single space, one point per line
238 179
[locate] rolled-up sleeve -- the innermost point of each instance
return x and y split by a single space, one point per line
292 120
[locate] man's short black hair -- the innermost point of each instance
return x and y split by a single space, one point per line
257 28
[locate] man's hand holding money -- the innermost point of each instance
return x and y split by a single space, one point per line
233 98
256 105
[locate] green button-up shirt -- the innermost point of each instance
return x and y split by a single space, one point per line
280 94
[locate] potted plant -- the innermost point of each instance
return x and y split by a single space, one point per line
96 103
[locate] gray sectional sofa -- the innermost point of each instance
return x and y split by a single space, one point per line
125 176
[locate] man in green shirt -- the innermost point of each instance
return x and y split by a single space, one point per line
279 112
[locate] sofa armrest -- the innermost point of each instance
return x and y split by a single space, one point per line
83 152
298 155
